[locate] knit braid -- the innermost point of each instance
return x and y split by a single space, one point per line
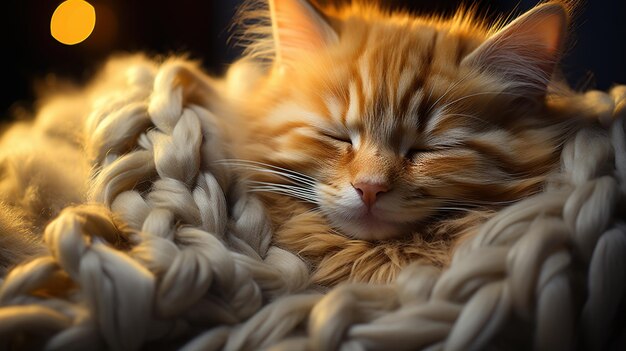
171 248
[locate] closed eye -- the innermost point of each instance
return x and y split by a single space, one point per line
337 137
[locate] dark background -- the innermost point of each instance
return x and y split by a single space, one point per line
596 58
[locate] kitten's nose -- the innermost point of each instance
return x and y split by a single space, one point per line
369 191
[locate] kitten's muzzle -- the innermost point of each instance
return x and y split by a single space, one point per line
369 192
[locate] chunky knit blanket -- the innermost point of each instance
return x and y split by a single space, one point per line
163 248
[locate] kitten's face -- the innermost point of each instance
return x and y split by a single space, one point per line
394 129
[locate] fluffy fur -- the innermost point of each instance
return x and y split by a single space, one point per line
455 118
174 253
44 165
41 171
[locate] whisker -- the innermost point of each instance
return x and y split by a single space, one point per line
281 186
301 187
284 187
274 167
267 168
279 191
292 179
242 161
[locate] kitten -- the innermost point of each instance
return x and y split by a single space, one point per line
379 138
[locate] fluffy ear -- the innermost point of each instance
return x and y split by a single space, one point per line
526 51
297 27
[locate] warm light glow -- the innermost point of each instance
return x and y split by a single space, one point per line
73 21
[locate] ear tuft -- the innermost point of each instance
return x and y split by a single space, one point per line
526 51
298 27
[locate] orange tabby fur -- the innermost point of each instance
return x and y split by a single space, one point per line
356 105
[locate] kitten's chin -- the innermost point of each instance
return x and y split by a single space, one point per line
372 229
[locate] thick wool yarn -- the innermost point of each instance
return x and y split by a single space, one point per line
157 244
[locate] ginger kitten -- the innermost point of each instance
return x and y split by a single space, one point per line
379 138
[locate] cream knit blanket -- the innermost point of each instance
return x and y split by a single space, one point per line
152 244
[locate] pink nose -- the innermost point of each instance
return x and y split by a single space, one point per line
370 191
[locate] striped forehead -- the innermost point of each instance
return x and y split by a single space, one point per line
384 91
387 90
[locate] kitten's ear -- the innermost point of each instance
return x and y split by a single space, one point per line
297 27
526 51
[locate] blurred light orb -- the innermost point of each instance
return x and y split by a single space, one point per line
73 21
